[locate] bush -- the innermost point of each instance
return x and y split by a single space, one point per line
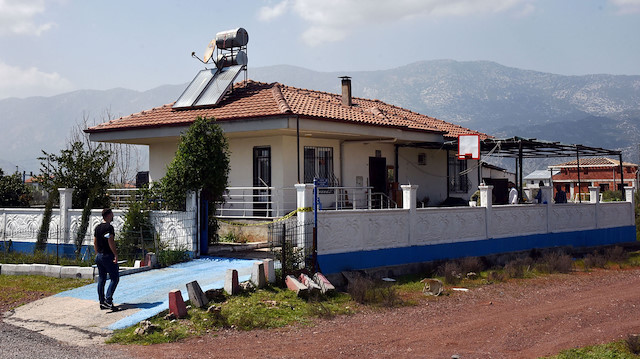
496 276
594 260
555 262
518 268
471 264
167 257
366 291
451 271
616 254
609 196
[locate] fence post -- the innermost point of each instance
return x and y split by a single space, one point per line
283 253
486 201
66 195
304 200
409 196
631 197
594 197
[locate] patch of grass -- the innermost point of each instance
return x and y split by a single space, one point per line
616 350
265 308
17 289
374 292
42 258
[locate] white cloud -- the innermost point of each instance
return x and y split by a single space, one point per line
24 82
332 20
627 6
17 17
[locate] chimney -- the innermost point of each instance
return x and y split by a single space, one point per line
346 91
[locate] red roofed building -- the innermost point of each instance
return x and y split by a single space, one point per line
281 135
594 172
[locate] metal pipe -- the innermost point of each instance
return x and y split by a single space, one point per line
578 164
520 172
621 176
298 144
396 149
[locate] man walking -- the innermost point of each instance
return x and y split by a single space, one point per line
106 259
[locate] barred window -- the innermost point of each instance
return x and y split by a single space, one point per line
458 183
318 163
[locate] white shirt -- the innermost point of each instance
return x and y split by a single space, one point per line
513 196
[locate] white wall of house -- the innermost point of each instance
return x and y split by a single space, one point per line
430 177
160 155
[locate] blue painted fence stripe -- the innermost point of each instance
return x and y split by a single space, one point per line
334 263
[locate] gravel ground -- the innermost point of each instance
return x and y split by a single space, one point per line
16 342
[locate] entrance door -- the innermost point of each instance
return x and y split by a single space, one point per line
261 178
378 174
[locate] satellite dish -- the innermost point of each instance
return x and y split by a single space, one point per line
209 51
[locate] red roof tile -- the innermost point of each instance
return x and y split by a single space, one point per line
594 162
257 99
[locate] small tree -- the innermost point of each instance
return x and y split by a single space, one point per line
13 193
84 168
201 162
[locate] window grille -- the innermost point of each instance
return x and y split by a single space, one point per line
318 163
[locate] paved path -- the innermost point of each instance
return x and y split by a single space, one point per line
74 316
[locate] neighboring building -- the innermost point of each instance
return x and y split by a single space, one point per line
595 171
280 135
532 180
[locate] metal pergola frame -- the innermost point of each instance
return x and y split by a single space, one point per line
521 148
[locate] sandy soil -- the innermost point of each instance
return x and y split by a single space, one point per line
518 319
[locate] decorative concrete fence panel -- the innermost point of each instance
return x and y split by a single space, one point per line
615 214
446 225
518 220
572 217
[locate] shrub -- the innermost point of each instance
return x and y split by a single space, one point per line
616 254
366 291
167 257
633 343
594 260
451 272
518 267
555 262
471 264
496 276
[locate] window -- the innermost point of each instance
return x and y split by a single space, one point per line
422 159
604 187
318 163
458 182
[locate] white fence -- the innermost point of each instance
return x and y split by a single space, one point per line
178 230
366 230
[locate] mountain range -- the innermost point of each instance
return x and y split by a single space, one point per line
594 110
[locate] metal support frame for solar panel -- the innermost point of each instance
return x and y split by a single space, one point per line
195 88
218 87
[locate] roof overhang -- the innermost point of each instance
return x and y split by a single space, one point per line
516 147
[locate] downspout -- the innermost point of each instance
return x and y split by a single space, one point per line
342 162
298 143
520 172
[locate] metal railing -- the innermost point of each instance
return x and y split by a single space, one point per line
120 197
251 202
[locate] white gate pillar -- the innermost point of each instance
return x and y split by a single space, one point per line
66 203
192 208
630 195
486 201
409 201
304 200
594 197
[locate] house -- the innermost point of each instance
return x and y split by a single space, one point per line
577 176
281 135
532 180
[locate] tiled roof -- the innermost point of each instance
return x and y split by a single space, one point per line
594 162
256 99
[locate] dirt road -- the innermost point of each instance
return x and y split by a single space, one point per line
519 319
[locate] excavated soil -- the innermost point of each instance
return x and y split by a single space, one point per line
518 319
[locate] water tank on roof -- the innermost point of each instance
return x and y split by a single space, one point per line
232 38
237 58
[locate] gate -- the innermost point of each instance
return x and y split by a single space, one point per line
293 246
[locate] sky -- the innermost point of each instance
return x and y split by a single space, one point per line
49 47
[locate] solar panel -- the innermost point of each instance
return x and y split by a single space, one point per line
195 88
219 86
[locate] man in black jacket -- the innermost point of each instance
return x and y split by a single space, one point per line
106 259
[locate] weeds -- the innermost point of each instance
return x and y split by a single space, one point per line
518 268
555 262
366 291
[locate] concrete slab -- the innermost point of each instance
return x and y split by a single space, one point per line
53 271
269 270
231 282
257 275
74 316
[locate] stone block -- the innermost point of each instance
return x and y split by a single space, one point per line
38 269
196 295
151 260
231 285
137 264
257 275
53 271
294 285
307 281
269 270
77 272
324 283
176 304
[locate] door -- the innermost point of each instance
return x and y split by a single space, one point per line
261 178
378 174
